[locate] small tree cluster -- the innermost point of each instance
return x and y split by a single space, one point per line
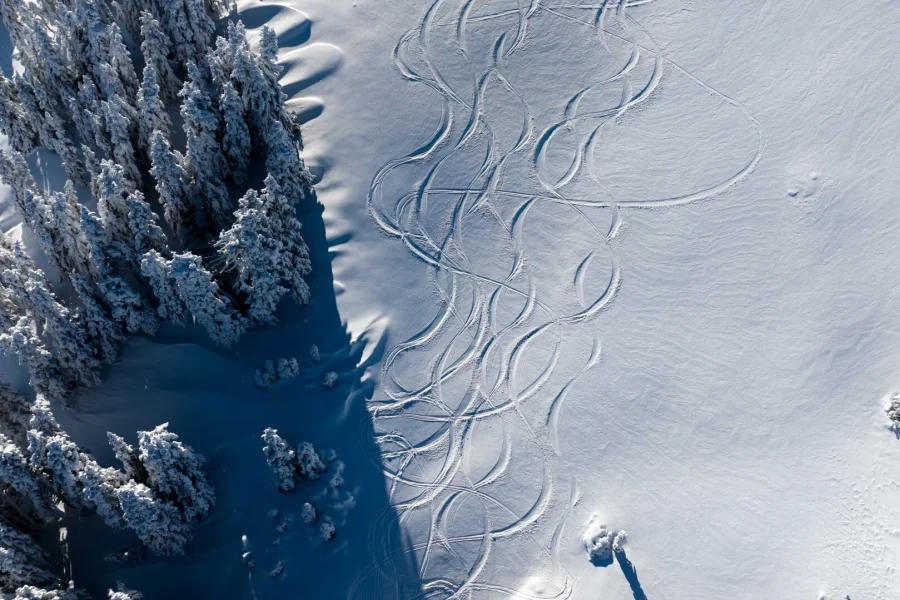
289 464
288 369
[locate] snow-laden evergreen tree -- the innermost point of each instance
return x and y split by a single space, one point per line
13 120
50 68
119 58
175 472
284 163
151 111
252 253
22 562
157 47
171 184
123 593
15 412
268 64
310 466
200 293
70 249
112 206
256 94
22 492
128 456
59 460
146 234
125 305
21 340
205 163
281 458
155 269
70 344
157 523
119 127
104 332
221 59
293 257
99 488
236 142
30 592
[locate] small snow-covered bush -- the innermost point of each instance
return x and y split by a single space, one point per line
288 369
893 413
308 513
281 458
330 379
327 530
600 542
314 356
311 466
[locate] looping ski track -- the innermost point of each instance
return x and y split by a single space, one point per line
482 378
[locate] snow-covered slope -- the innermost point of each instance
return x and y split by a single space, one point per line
633 259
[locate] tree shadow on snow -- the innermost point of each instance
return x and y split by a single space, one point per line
631 577
207 395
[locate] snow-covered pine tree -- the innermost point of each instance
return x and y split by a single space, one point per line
21 340
156 48
293 257
310 465
123 593
112 206
105 334
23 495
22 562
200 293
151 111
157 523
216 313
205 163
171 184
120 59
125 305
13 120
15 412
236 142
283 161
146 234
268 64
70 344
221 59
281 458
174 472
255 93
251 254
155 269
58 460
99 492
128 456
70 249
119 128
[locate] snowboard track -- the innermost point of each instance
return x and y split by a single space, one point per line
479 367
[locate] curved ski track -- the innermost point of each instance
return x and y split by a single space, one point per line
472 359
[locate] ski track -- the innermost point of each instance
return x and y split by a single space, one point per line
476 370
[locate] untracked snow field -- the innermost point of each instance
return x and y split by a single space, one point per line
631 263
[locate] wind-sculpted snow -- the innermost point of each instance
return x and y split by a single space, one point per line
520 193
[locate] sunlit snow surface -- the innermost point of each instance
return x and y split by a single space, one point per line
636 259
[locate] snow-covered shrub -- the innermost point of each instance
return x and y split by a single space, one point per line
329 380
310 466
327 530
314 356
599 542
308 513
281 458
288 369
893 413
